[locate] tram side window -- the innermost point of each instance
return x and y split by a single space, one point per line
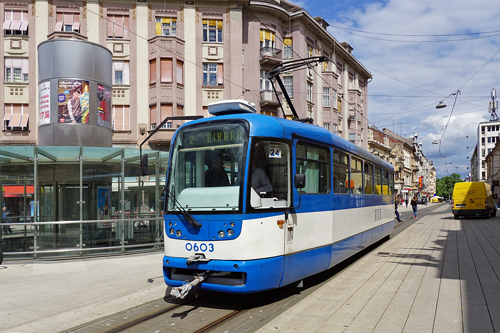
314 163
340 172
386 189
368 178
378 180
356 176
269 177
391 182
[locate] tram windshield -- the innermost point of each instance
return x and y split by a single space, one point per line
207 167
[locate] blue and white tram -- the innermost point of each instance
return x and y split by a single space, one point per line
327 200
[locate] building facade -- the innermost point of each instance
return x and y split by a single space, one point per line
174 58
413 173
487 137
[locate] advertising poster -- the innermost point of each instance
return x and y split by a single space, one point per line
44 111
103 206
73 101
103 105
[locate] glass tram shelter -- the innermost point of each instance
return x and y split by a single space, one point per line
76 201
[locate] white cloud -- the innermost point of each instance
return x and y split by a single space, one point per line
424 69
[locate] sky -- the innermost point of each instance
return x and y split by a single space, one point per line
419 53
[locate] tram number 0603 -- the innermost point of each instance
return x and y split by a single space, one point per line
202 247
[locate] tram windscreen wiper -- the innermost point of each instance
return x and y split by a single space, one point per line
181 209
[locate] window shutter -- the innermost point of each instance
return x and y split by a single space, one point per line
152 71
15 121
111 20
220 74
26 116
118 26
179 72
126 117
8 20
166 70
158 29
16 20
153 116
126 73
126 33
166 111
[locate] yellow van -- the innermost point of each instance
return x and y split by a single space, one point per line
473 199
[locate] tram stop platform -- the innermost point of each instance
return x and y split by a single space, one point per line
437 274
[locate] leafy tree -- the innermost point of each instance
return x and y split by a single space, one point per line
444 186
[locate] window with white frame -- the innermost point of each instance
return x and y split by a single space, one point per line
121 72
212 31
326 97
67 21
15 22
266 39
334 96
309 51
288 83
352 137
326 126
16 70
121 117
265 83
288 48
309 91
334 128
118 26
213 74
166 26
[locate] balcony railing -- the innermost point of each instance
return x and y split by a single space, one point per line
270 55
268 97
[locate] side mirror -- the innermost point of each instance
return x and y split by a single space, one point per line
144 164
299 181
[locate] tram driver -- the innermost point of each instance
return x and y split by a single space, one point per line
216 176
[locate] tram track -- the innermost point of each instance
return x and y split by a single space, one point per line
204 311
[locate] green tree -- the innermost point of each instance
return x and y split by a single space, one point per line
444 186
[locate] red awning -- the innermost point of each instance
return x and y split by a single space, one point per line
16 190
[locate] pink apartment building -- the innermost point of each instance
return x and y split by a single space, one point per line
175 57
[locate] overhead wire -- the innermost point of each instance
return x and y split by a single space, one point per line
161 47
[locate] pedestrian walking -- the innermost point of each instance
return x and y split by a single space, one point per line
396 204
414 207
406 201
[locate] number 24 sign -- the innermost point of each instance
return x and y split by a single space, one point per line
274 151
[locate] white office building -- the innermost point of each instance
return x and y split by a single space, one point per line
487 137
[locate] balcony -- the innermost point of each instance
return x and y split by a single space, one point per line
270 55
268 97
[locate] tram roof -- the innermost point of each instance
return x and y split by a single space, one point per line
267 126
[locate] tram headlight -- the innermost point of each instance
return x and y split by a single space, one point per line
178 233
230 232
222 234
231 224
170 224
172 232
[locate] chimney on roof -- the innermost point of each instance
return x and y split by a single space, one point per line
347 46
321 21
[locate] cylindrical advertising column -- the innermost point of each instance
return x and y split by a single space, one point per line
75 81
